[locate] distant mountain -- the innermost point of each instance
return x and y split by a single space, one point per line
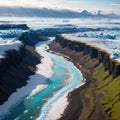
44 12
13 26
85 12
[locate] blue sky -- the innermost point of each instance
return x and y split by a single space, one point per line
91 5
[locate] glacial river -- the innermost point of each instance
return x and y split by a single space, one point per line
65 77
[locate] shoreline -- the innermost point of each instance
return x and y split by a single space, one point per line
34 84
17 73
74 105
59 106
78 66
89 101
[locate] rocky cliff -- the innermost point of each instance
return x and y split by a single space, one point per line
17 66
13 26
99 97
110 64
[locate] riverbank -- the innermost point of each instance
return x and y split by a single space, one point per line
73 100
20 77
59 106
89 101
18 65
34 83
18 73
72 76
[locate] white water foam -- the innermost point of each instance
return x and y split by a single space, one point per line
59 106
55 106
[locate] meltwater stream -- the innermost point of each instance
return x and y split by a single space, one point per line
38 105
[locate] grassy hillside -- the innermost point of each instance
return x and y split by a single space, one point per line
105 89
110 101
101 95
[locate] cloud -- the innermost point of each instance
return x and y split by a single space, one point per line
34 3
117 4
105 5
37 2
63 4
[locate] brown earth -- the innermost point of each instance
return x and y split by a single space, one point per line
78 103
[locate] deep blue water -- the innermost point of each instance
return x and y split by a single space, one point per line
38 106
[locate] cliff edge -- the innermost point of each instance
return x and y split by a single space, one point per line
99 97
18 65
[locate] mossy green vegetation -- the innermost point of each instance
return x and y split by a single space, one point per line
89 92
111 86
90 97
102 91
112 97
107 85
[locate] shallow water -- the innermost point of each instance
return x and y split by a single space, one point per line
38 105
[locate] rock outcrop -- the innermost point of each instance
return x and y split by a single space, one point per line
17 66
98 98
13 26
31 38
110 64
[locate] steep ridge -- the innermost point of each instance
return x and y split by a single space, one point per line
99 97
110 64
7 11
13 26
17 66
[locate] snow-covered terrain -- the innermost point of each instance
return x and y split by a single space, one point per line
6 45
104 34
11 33
41 23
9 40
89 29
105 40
47 12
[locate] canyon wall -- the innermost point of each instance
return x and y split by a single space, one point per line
110 64
98 98
13 26
17 66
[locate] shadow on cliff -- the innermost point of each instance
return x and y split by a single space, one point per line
34 84
15 70
17 66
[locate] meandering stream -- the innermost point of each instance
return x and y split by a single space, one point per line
65 77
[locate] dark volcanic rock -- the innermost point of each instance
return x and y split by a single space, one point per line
17 66
87 59
31 38
13 26
111 65
15 70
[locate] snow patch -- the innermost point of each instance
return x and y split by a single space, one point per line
110 46
36 82
6 45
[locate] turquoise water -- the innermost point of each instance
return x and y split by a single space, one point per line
38 106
